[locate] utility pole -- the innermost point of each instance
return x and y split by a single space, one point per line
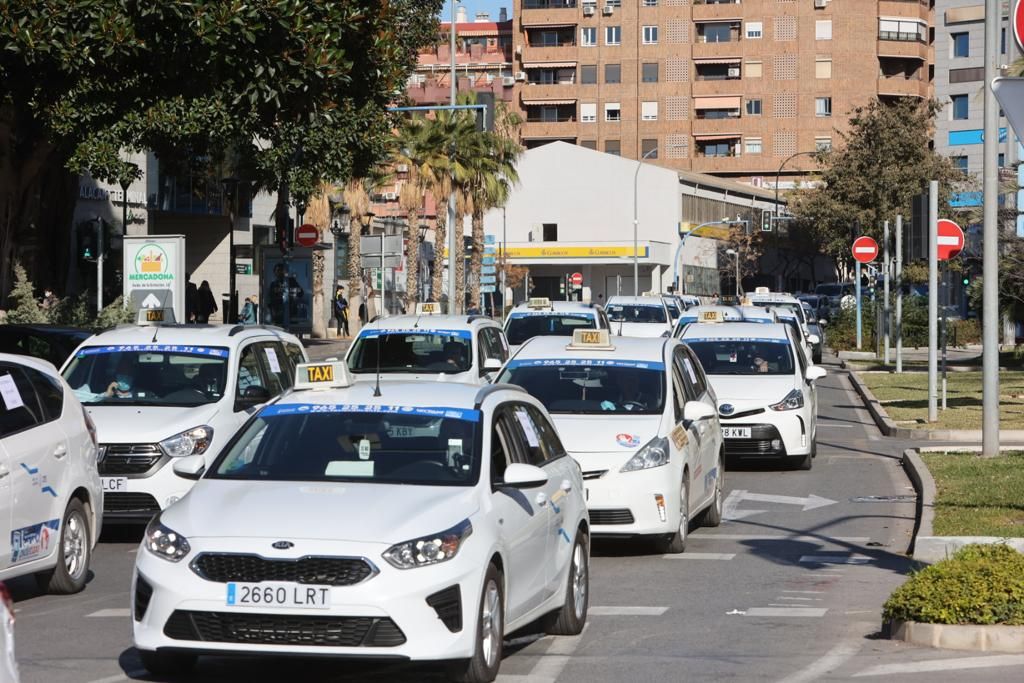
885 290
100 246
990 249
899 293
933 298
454 231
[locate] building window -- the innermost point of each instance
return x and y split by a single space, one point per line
589 144
752 146
823 144
550 231
650 3
588 112
649 72
715 149
960 107
823 67
823 29
960 163
613 3
588 36
612 73
1001 161
1002 41
754 70
754 107
754 30
650 35
612 147
612 35
588 74
961 44
649 111
718 32
648 149
823 106
612 111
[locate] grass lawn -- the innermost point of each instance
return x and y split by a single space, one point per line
1007 359
978 496
905 398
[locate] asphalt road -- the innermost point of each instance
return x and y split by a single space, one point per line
776 593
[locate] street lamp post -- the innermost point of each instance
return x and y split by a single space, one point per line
636 223
778 174
682 241
230 193
736 253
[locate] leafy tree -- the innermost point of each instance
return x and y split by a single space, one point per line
26 309
883 161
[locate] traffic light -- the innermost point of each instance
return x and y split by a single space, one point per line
90 239
966 280
766 221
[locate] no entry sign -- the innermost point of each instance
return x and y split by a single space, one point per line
577 279
865 249
307 235
1018 24
950 241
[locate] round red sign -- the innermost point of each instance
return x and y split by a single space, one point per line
577 279
865 249
1018 24
951 239
307 235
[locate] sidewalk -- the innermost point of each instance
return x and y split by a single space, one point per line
322 349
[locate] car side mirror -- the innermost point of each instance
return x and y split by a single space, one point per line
823 322
190 467
522 476
697 410
815 372
813 339
491 364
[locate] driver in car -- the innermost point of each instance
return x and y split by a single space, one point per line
121 386
630 396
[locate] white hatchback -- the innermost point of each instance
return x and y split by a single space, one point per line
639 316
423 522
545 318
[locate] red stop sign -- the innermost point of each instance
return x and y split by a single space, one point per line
576 279
865 249
307 235
951 239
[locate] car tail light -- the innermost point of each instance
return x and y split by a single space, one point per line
5 596
91 426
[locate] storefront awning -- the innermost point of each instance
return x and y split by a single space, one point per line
544 24
721 102
537 103
718 60
549 65
717 136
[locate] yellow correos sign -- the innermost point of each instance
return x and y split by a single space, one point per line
585 251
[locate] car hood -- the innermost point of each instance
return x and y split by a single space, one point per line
148 424
743 393
343 511
639 329
604 434
470 377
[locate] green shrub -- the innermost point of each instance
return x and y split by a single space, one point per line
73 311
964 332
842 331
980 584
26 310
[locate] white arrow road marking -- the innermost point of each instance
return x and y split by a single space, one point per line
836 559
809 503
115 612
787 611
700 556
943 665
732 501
151 301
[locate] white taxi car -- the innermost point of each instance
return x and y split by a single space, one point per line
639 316
641 419
49 484
767 398
541 317
719 313
429 346
789 309
425 523
165 391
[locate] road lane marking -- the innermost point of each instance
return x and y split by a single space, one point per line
787 611
555 658
116 612
780 537
806 592
836 559
959 663
828 662
700 556
627 611
788 597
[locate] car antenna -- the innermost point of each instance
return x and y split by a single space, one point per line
156 330
376 389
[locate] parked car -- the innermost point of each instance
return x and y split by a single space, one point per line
52 343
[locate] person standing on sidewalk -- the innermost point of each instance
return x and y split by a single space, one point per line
341 312
207 303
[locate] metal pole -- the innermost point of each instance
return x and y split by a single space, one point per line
990 250
636 230
945 304
453 231
933 299
99 264
856 294
504 264
885 288
737 275
899 293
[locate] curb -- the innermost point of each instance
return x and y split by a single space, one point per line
931 549
924 486
996 638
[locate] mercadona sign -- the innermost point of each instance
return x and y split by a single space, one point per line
154 273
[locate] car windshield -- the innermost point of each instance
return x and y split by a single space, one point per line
367 443
155 374
591 387
743 356
412 351
829 290
636 313
795 307
523 326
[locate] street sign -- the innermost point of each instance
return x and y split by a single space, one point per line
950 241
488 289
577 279
865 249
1018 24
488 269
488 280
1010 93
307 235
489 260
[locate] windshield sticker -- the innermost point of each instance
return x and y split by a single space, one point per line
528 427
148 348
463 414
10 394
551 314
275 365
31 542
639 304
456 458
586 362
349 468
426 332
689 370
628 440
729 340
364 449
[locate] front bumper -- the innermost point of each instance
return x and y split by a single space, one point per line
147 488
772 435
624 503
384 616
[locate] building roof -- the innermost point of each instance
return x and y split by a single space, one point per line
729 186
478 28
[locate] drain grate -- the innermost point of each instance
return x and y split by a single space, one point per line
884 499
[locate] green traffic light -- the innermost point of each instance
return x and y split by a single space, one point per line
967 281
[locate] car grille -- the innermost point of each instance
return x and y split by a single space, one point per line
324 571
123 458
283 629
758 445
619 516
127 502
448 605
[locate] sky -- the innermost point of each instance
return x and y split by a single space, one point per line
474 6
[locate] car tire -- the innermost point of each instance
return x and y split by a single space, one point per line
167 663
570 618
805 463
713 513
74 553
676 543
483 666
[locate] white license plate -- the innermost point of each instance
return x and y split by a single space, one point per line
278 594
114 484
735 432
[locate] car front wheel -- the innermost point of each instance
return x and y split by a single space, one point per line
73 553
483 666
570 618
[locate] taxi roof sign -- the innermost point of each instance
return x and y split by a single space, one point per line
591 340
428 308
715 316
333 375
539 302
155 316
762 290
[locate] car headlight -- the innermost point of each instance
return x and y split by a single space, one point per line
165 543
193 441
793 401
654 454
428 550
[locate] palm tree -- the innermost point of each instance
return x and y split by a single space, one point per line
318 212
358 200
410 151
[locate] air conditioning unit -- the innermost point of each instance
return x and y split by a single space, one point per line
390 196
508 81
734 72
607 10
519 49
520 75
588 10
820 4
734 115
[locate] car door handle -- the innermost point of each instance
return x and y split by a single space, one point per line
541 499
60 451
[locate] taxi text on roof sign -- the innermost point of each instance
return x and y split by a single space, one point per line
322 375
428 308
540 302
155 316
712 317
598 340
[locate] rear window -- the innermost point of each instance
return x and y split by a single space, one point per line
589 387
412 351
634 313
523 326
743 356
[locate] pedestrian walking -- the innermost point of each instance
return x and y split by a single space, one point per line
341 312
362 312
248 316
191 299
207 303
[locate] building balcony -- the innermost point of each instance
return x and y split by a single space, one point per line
544 91
549 130
719 11
898 85
540 13
912 9
434 92
904 45
560 53
721 50
729 126
733 164
720 87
